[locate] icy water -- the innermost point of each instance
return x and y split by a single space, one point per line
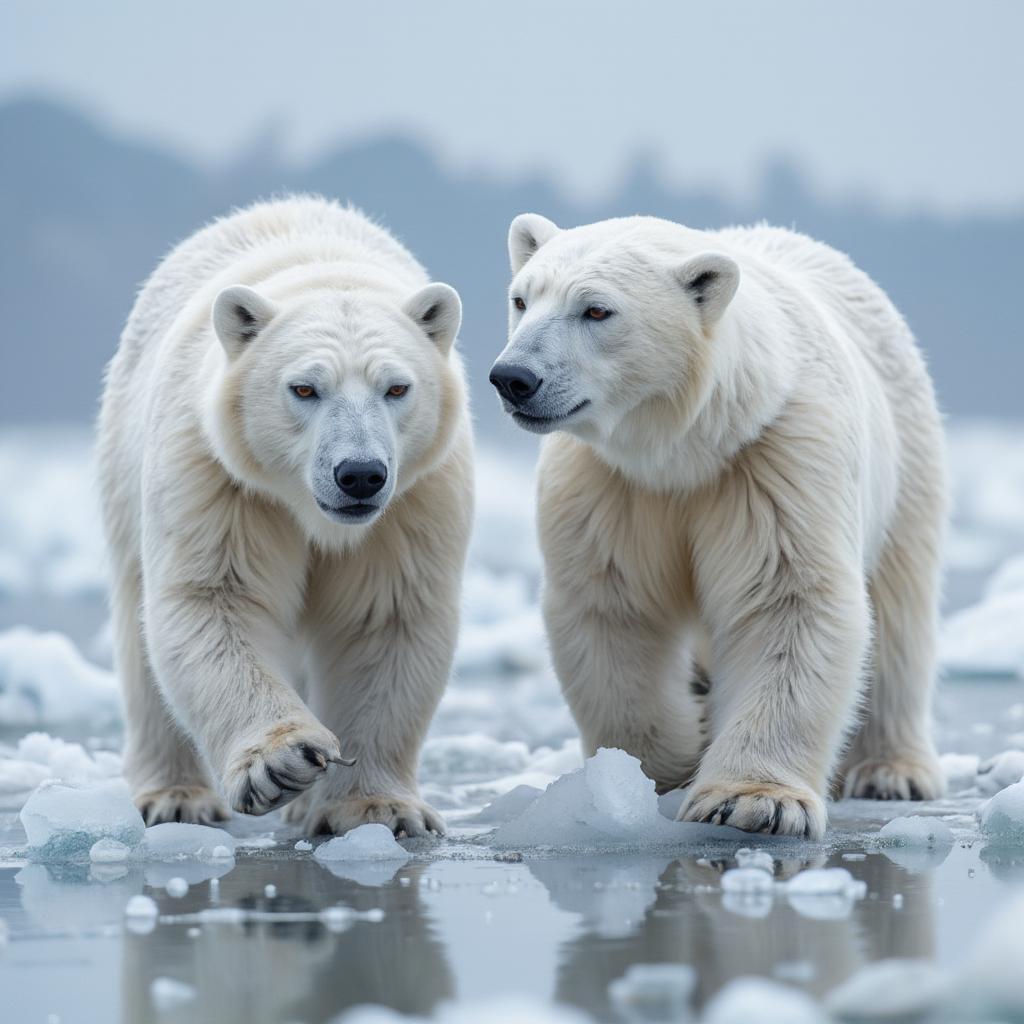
456 924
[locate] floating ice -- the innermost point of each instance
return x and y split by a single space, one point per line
653 992
1002 817
169 994
894 989
746 1000
917 830
39 756
303 846
961 771
365 843
608 803
825 894
63 822
109 851
1000 771
507 806
43 678
179 841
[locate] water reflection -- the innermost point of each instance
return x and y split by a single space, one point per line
672 912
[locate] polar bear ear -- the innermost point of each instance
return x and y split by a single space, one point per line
710 280
239 314
527 233
437 311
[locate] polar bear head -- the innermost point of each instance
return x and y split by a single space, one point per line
608 319
334 401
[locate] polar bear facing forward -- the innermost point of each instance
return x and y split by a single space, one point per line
285 467
744 477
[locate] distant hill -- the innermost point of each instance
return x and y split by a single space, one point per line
84 216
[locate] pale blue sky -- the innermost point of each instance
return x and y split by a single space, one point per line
916 102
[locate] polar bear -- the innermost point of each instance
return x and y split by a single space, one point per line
742 491
285 464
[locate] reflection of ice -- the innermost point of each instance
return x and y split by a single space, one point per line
611 894
69 897
895 989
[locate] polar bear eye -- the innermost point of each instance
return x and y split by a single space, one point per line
597 313
303 391
519 303
397 390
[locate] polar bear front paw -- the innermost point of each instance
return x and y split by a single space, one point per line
286 760
405 816
758 807
194 805
896 778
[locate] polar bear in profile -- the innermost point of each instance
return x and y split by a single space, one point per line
285 466
742 501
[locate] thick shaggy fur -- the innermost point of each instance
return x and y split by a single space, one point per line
257 625
745 472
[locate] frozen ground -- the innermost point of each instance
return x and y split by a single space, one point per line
583 904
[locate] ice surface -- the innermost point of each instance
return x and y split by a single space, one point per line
653 992
43 678
46 547
608 803
173 840
750 1000
63 821
169 994
507 806
365 843
987 637
1000 771
888 990
1002 817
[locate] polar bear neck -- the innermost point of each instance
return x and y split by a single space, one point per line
679 443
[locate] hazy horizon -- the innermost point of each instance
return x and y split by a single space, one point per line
910 104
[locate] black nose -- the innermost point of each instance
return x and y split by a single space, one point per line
515 384
360 479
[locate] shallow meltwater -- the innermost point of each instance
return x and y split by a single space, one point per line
277 934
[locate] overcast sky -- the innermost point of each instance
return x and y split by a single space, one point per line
916 102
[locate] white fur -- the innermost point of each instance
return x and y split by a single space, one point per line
745 470
241 585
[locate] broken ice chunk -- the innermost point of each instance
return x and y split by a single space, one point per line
916 830
757 858
507 806
108 851
63 822
180 841
1002 817
825 894
366 843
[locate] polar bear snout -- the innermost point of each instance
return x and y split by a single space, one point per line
515 384
360 480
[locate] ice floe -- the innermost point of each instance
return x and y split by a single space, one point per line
366 843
